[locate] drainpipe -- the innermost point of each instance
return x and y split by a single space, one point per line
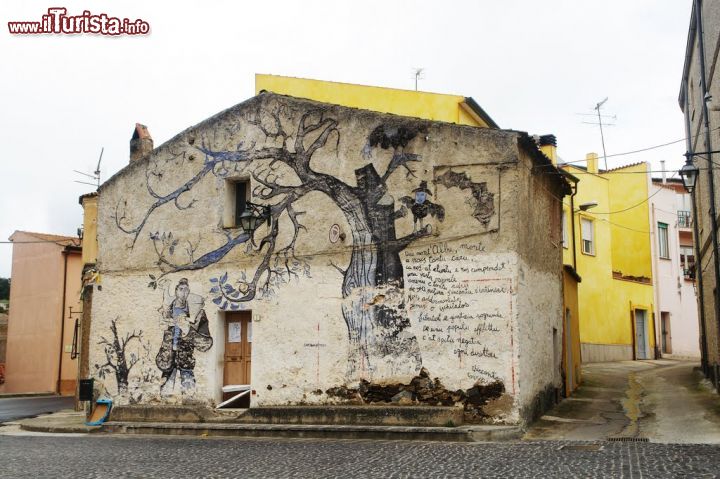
656 279
62 322
696 243
572 225
711 175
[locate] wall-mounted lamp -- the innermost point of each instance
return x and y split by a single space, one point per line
587 206
253 216
689 174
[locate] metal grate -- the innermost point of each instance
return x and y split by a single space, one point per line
581 447
628 439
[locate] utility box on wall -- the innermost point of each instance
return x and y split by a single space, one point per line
86 390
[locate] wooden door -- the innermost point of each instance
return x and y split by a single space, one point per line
238 350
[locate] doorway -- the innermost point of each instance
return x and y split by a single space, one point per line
569 366
665 329
237 358
641 343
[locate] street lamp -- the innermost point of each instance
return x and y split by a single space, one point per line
689 174
253 216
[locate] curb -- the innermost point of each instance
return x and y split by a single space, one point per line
28 395
405 433
79 429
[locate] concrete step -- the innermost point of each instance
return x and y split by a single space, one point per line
406 433
421 416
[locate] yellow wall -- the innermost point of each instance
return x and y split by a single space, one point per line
630 229
431 106
622 244
570 302
89 253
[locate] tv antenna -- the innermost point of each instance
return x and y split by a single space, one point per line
419 75
600 123
95 176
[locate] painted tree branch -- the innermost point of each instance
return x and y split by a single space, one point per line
116 355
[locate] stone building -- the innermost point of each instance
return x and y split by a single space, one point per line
699 98
388 258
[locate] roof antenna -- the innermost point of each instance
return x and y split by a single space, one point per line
95 176
600 123
419 75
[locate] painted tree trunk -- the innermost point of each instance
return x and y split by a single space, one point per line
381 343
121 370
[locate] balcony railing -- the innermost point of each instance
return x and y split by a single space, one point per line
684 219
689 273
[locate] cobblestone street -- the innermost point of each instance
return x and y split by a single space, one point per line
661 401
107 456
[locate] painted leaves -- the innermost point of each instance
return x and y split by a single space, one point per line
226 295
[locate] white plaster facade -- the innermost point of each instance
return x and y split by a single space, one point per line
675 294
359 288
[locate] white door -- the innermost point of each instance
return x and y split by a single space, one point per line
641 346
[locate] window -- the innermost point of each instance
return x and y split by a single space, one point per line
241 190
687 261
236 197
663 249
587 230
565 241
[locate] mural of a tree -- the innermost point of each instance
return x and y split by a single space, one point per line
373 306
117 359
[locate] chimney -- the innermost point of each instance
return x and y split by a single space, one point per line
592 162
664 176
141 143
548 145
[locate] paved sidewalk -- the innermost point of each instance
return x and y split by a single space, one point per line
71 422
66 421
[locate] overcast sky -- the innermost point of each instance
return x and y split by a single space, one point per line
532 65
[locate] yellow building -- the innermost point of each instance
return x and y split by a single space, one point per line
612 254
431 106
571 357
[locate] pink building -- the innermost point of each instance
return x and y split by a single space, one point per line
674 269
46 271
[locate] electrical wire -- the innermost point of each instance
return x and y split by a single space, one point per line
628 208
654 147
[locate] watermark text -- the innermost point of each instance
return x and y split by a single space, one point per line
58 22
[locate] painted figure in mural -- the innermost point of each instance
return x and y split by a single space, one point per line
421 206
182 337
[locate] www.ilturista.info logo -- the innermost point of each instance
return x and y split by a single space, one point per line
58 22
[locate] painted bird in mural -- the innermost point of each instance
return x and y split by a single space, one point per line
421 206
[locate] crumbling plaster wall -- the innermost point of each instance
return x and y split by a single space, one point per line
375 287
540 310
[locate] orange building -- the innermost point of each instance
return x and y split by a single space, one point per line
46 271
